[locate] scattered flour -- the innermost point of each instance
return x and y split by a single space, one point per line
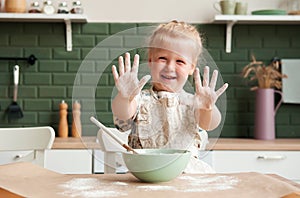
157 187
208 183
89 188
120 183
94 188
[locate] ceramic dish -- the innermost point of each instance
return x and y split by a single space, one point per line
269 12
156 165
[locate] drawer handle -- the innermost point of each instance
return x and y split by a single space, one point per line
275 157
19 156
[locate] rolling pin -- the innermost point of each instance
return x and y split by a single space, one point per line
76 124
63 130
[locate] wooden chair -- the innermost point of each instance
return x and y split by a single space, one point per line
25 144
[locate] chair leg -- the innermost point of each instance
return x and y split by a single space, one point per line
109 162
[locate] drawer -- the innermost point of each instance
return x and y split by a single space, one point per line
283 163
7 157
69 161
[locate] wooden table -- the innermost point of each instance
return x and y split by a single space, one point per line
32 181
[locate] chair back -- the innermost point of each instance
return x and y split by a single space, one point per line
25 144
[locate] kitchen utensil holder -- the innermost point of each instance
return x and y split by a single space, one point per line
30 60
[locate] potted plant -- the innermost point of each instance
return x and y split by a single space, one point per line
268 82
266 76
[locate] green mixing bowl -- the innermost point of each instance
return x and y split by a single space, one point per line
156 165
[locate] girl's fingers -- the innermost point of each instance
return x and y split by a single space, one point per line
121 65
136 62
115 73
143 81
222 89
213 80
206 76
127 62
197 79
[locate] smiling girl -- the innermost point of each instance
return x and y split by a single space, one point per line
165 116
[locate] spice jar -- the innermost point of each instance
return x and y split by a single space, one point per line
63 8
48 8
35 7
77 8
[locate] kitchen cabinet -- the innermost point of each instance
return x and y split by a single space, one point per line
38 17
225 155
69 161
231 20
283 163
279 156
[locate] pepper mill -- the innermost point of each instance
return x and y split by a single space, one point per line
63 130
76 125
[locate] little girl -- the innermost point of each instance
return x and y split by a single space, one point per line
165 116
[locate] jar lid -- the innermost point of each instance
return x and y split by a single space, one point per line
35 4
63 4
77 3
48 2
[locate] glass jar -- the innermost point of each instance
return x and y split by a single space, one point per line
35 7
294 7
63 8
77 8
48 7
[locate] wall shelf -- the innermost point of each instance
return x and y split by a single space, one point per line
231 20
33 17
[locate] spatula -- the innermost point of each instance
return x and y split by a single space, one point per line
14 110
116 138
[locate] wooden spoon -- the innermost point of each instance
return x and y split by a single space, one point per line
116 138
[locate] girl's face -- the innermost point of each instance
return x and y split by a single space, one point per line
170 67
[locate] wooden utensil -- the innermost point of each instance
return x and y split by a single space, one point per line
116 138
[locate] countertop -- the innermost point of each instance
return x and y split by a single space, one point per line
215 144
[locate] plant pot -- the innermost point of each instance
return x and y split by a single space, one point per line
265 112
15 6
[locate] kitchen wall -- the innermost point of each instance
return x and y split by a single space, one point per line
50 80
44 85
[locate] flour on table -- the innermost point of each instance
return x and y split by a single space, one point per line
94 188
120 183
209 183
89 188
157 187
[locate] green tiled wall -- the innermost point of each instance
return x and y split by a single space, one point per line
51 79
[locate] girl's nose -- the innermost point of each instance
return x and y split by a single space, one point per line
170 66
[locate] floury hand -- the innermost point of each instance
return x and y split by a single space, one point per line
126 80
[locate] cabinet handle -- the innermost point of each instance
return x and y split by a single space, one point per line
19 156
275 157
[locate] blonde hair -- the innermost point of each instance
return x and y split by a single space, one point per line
173 31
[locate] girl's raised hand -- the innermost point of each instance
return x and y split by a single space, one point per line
206 96
126 80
